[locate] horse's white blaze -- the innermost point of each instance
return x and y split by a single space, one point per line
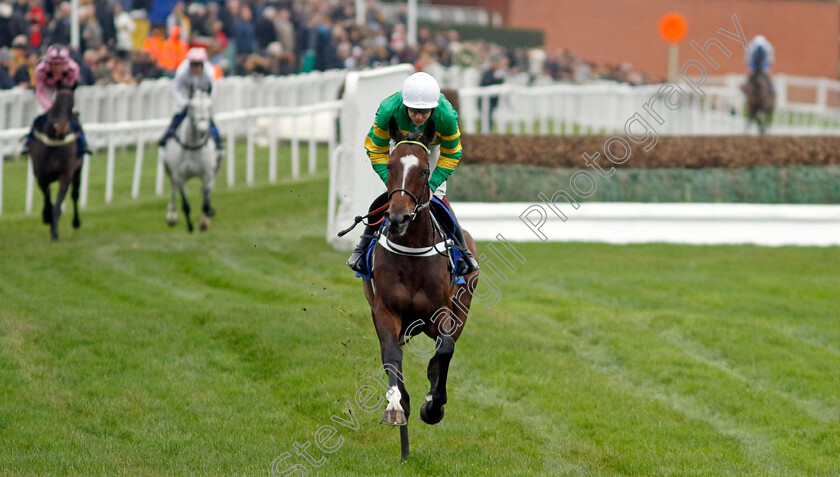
408 162
393 396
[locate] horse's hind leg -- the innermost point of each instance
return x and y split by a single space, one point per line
77 181
449 328
431 412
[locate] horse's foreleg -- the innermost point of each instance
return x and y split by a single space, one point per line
431 412
186 206
56 209
77 181
206 207
388 327
46 213
171 208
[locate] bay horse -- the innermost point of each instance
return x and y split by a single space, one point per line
761 99
54 157
191 153
411 290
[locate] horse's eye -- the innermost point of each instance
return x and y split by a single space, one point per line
425 172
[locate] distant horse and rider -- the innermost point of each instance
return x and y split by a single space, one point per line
56 143
416 261
761 96
191 146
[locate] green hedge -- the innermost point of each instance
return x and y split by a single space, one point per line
769 184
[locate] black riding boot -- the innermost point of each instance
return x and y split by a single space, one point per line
37 124
357 260
81 143
467 264
163 140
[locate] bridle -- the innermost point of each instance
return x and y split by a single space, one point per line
199 145
418 206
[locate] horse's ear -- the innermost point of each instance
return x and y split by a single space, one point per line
394 130
429 132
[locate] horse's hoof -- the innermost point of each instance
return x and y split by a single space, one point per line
77 223
46 218
428 417
171 218
210 213
394 418
204 224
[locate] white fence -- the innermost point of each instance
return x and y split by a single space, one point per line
622 223
304 109
313 124
604 108
153 99
805 104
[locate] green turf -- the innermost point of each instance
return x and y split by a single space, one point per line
129 348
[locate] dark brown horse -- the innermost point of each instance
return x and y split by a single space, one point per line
761 99
54 158
412 290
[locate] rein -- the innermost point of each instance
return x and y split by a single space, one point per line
193 147
360 218
438 248
418 206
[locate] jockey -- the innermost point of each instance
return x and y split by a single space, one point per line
419 100
760 55
56 71
195 72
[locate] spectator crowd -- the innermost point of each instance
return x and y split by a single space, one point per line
126 41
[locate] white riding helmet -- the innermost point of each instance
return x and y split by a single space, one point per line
197 55
420 91
760 40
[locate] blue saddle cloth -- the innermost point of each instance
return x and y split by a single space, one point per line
368 274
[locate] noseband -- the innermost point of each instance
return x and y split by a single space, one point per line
418 206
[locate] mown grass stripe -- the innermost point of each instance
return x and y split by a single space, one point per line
132 348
